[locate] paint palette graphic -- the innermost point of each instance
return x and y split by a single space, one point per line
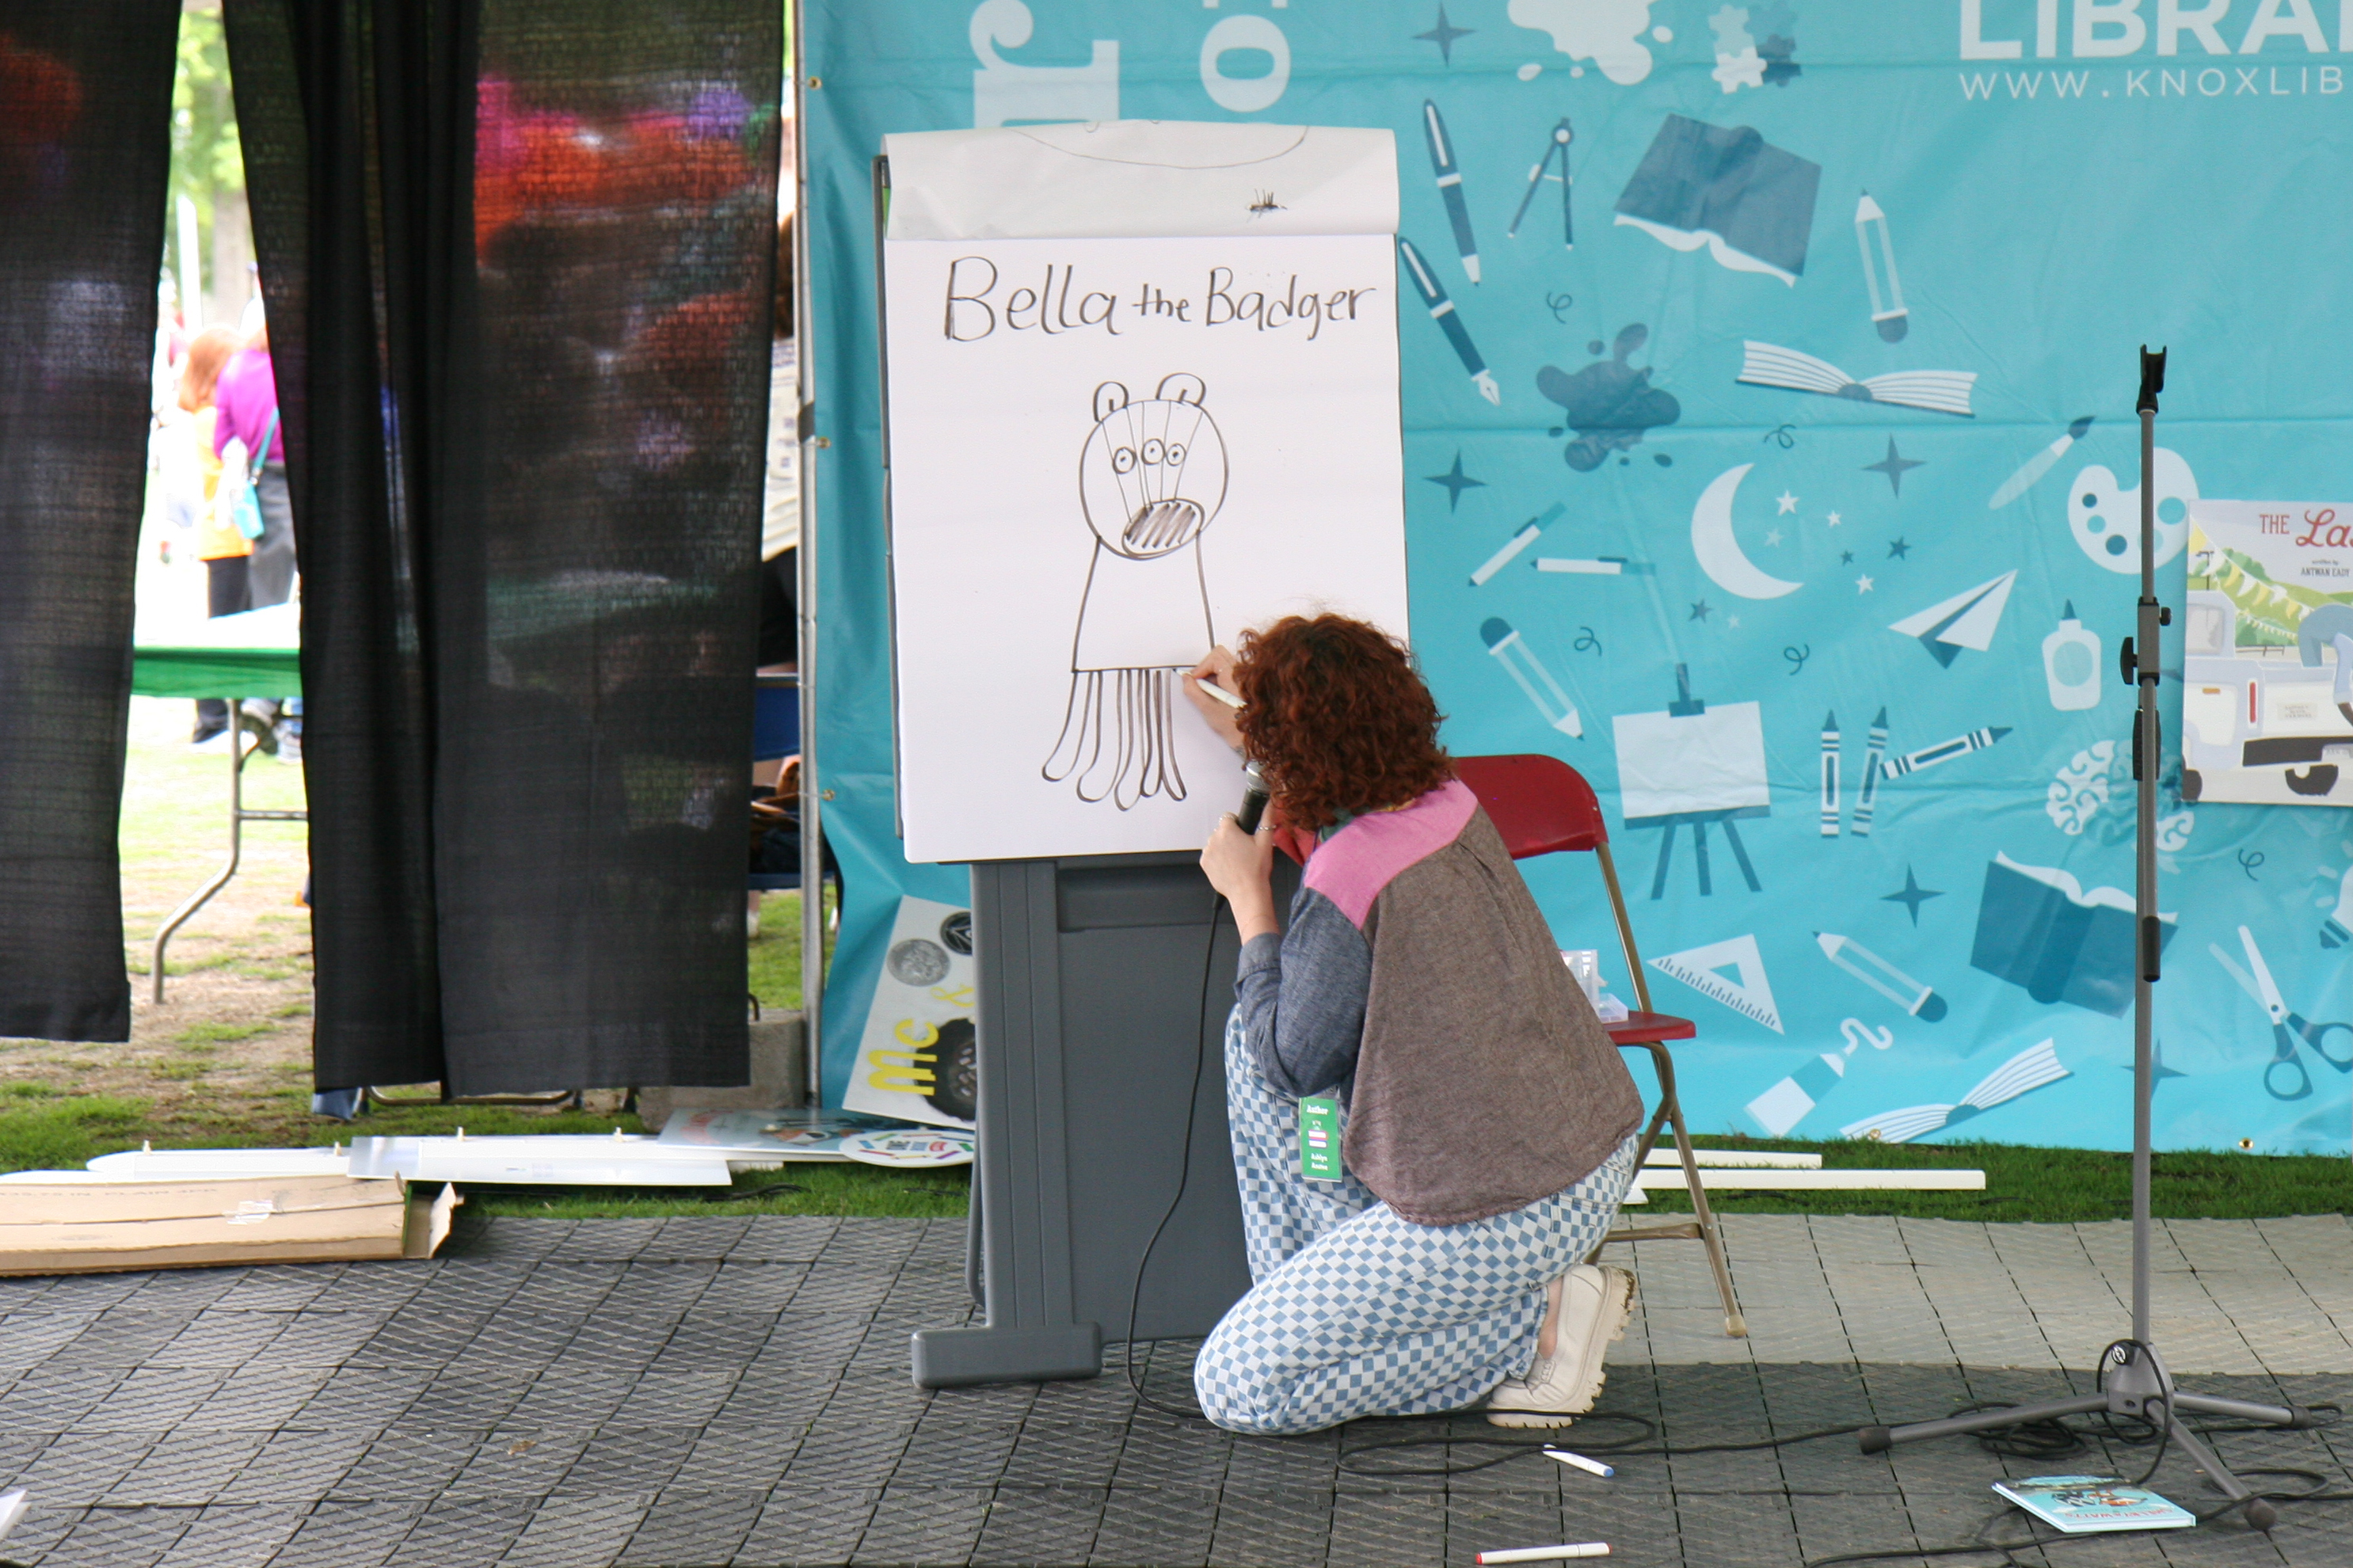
2105 517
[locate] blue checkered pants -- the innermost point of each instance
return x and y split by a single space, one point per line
1357 1311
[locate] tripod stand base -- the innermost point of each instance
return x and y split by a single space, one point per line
2132 1382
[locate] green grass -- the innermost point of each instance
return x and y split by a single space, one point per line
776 954
2049 1185
824 1189
66 1134
211 1037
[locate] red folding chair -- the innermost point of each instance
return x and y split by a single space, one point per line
1541 805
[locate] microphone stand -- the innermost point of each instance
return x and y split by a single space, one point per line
2132 1376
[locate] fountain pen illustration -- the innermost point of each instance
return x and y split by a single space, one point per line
1449 186
1442 311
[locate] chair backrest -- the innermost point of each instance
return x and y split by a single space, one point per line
1540 804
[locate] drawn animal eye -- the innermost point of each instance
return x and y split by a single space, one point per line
1123 460
1152 450
1176 451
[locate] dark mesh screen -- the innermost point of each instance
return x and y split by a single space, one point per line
532 241
85 145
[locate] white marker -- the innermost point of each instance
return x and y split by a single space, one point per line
1520 541
1221 694
1590 1467
1602 566
1548 1553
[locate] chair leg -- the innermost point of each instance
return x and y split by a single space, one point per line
1734 1325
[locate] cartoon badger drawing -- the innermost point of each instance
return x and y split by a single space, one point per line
1152 475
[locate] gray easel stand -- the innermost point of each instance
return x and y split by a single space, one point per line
1090 1023
2133 1379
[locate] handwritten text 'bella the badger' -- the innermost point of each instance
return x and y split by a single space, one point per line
975 308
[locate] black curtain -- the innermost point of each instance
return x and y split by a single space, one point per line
85 149
517 257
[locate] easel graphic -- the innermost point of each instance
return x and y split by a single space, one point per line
1689 766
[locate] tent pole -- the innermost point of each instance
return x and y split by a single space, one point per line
812 835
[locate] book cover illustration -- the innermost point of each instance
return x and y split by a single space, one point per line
1727 188
2080 1505
2038 928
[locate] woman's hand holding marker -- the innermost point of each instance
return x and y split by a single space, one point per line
1216 668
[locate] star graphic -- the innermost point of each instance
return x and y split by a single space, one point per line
1732 620
1456 481
1892 468
1863 585
1774 537
1833 520
1846 557
1898 550
1788 503
1700 611
1913 896
1443 36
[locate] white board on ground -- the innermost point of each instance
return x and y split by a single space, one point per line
1107 454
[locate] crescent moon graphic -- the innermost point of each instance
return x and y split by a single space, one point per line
1719 552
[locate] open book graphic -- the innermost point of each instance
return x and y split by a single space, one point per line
1937 391
2040 928
2029 1070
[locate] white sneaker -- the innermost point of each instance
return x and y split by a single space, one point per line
1594 1302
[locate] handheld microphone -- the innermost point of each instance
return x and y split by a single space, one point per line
1254 793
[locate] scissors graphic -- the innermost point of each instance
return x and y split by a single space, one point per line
2287 1028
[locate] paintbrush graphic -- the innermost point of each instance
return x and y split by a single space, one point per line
2035 467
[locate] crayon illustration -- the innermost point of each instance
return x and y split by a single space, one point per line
1943 752
1875 749
1830 776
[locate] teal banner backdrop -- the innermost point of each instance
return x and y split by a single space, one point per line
1783 478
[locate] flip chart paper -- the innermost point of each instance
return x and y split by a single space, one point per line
1105 456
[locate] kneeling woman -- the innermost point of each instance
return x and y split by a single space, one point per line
1489 1123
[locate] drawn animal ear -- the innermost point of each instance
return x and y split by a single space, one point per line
1182 388
1110 398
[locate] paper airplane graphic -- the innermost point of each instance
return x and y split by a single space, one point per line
2029 1070
1936 391
1750 995
1966 620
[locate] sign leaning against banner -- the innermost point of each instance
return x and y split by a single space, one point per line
1767 376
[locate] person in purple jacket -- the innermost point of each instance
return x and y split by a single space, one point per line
1489 1126
247 396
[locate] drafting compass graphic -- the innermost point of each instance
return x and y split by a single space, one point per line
1562 135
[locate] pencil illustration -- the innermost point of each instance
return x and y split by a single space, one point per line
1882 976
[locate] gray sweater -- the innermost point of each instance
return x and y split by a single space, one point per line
1418 979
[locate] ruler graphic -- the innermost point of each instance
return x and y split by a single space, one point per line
1751 995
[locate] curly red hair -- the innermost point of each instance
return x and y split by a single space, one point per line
1337 719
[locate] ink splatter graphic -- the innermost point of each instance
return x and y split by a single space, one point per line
1608 404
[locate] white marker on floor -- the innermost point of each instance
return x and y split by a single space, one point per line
1548 1553
1592 1467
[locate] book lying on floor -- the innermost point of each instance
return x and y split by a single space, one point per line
2080 1505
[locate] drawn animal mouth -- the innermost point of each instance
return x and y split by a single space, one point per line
1161 526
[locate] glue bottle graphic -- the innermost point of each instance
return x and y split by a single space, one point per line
2070 665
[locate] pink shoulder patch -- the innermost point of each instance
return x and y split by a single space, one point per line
1354 865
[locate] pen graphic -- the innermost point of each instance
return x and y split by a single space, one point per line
1882 976
1450 185
1876 749
1943 752
1596 566
1513 655
1890 317
1442 311
1520 541
2035 467
1830 776
1562 135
